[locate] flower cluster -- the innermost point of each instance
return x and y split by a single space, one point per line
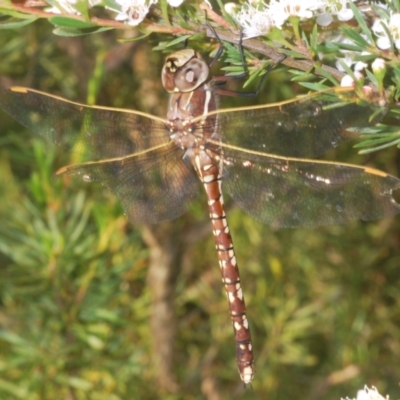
369 394
387 30
69 6
132 12
257 18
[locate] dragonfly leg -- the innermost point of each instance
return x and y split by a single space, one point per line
220 80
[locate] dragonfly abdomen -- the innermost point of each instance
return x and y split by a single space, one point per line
210 176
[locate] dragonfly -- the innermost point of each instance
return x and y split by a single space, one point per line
262 156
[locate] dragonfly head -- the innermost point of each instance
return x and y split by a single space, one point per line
184 71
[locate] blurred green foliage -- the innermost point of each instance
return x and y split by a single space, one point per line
324 304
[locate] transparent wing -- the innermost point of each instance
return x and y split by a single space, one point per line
286 192
137 160
153 186
96 132
305 127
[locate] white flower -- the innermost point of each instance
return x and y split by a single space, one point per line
393 26
281 10
334 7
68 6
379 64
347 81
349 56
254 22
324 19
357 65
133 12
61 6
93 3
230 8
369 394
175 3
360 65
348 59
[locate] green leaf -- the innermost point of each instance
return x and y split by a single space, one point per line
198 37
69 32
381 147
76 382
15 14
15 389
226 15
365 57
302 77
232 68
253 77
328 47
66 22
293 54
305 40
12 338
17 24
372 142
347 46
135 39
326 75
360 19
372 78
179 39
315 87
82 7
347 69
314 38
356 38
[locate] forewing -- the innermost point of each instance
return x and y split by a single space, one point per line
285 192
153 186
307 127
96 132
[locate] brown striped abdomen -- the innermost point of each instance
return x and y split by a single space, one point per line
211 179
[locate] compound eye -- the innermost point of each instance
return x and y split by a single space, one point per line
191 75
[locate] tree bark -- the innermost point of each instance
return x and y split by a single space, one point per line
165 243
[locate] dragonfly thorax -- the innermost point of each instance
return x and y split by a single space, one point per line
183 134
